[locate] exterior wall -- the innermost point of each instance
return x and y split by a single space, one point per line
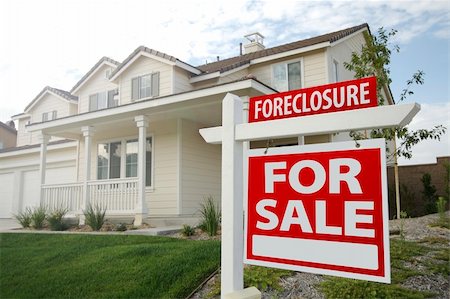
181 80
19 177
23 137
8 138
143 66
200 169
410 176
97 83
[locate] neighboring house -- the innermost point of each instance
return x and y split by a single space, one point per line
128 138
8 135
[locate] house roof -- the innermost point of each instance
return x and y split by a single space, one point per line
58 92
102 61
234 62
24 147
142 49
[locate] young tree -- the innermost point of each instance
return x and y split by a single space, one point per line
374 60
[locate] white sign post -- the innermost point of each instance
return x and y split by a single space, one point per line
232 135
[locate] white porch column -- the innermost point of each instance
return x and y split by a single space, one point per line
88 132
42 164
141 208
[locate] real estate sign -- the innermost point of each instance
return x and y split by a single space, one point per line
320 209
341 96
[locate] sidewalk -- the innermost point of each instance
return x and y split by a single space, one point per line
12 226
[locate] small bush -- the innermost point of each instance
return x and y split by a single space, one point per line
210 214
429 194
443 221
24 218
187 230
95 216
38 216
264 278
121 227
55 219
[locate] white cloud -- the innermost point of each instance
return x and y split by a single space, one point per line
53 42
426 151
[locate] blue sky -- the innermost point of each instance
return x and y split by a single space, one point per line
55 42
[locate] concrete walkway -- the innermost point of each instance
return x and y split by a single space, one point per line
11 225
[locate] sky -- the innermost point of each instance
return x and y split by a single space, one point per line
54 42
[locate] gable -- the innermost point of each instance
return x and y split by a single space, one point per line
47 103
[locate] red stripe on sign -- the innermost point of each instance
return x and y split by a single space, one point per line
341 96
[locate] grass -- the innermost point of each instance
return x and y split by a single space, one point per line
90 266
402 252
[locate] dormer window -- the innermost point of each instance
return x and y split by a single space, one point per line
146 86
46 116
102 100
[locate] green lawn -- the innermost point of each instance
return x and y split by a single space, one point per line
106 266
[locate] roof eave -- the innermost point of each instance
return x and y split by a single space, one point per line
80 84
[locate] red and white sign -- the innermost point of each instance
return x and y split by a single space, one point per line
320 209
341 96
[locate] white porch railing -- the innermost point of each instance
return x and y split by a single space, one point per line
116 195
67 196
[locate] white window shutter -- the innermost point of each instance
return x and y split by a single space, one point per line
155 84
135 88
93 102
54 114
44 116
111 102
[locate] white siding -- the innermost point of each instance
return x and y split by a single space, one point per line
234 76
23 136
97 83
314 68
144 66
181 81
201 169
6 194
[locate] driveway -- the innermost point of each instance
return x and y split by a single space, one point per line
7 224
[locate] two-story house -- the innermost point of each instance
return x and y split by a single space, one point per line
126 136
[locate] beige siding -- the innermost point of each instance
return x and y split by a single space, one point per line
263 72
143 66
181 81
314 67
342 52
97 83
234 76
201 169
23 136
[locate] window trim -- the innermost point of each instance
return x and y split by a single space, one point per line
152 85
335 69
285 63
123 142
107 92
49 115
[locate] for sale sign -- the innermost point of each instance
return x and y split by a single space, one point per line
341 96
320 209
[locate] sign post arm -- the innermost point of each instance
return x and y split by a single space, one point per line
232 276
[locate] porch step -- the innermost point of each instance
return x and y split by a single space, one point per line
156 231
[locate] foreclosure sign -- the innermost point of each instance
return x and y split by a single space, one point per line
341 96
320 209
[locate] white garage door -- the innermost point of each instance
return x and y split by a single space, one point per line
6 194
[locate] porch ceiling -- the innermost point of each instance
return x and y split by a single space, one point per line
202 106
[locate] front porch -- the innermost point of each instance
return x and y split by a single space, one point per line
117 196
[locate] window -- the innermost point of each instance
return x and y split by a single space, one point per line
335 70
145 86
111 158
103 100
46 116
287 76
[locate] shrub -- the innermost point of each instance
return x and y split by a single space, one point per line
187 230
210 214
24 218
38 216
95 216
264 278
121 227
429 194
55 219
443 220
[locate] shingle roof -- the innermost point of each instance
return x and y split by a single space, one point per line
150 51
234 62
24 147
103 59
62 93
